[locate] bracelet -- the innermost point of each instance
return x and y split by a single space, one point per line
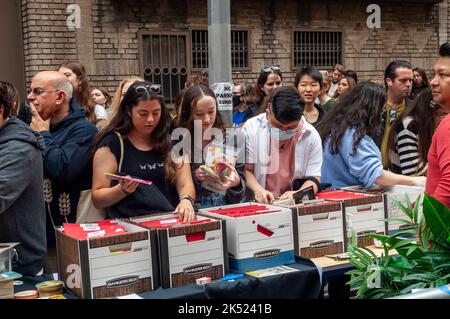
189 198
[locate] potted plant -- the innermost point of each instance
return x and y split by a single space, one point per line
422 258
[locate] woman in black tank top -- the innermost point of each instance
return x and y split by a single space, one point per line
143 125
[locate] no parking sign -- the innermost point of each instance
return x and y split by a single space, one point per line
224 95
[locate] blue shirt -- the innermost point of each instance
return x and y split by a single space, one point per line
238 117
346 169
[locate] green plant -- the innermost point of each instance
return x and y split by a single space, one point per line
422 258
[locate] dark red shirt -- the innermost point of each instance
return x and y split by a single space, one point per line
438 177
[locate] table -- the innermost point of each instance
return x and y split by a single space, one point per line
302 284
330 265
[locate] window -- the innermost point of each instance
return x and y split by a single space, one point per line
239 49
319 49
164 62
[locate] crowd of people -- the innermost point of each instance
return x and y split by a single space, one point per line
327 130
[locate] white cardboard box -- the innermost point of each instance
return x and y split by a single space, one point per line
259 236
399 192
188 251
319 228
112 266
364 213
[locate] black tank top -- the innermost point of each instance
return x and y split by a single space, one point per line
149 165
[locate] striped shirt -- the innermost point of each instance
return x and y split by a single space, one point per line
405 157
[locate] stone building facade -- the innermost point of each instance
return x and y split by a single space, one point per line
113 38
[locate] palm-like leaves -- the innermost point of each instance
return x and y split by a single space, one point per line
422 259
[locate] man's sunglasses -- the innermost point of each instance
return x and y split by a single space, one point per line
269 69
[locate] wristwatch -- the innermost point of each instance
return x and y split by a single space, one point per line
189 198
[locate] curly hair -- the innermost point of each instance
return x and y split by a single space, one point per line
360 109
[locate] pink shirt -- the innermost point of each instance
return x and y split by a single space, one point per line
438 177
283 164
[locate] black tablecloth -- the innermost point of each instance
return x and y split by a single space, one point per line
302 284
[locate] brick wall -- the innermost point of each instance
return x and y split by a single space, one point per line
47 40
108 41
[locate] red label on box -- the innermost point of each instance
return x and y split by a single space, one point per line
340 195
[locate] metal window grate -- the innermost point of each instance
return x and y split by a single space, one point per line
318 49
165 62
239 49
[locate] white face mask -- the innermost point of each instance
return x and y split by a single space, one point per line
281 135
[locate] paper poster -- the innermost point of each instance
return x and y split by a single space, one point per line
224 95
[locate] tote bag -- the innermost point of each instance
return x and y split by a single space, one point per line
86 211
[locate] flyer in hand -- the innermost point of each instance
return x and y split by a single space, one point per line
218 160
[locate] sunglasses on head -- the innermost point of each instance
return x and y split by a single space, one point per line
269 69
153 88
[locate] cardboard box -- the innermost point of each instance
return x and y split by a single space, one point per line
103 267
319 228
396 192
259 236
189 250
364 213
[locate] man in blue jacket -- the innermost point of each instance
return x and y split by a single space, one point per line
67 154
22 208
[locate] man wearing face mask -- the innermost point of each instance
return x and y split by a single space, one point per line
284 151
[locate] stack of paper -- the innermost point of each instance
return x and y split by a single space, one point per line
7 284
93 230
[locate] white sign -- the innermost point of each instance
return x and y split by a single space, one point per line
224 95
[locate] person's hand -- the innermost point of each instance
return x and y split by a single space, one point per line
288 195
185 210
264 196
127 187
420 181
201 176
37 123
231 177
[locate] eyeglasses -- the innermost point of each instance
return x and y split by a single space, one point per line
269 69
39 91
154 88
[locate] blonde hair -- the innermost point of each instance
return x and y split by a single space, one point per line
118 95
326 78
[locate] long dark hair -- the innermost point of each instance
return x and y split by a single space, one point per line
185 117
351 83
83 94
422 110
360 109
122 123
424 78
259 93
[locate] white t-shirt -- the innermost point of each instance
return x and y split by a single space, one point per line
308 151
100 112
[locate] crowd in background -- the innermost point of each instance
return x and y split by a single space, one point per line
327 130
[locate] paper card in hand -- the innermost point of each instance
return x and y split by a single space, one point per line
128 178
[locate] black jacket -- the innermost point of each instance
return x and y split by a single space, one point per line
22 210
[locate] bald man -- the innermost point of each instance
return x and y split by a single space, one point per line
68 138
